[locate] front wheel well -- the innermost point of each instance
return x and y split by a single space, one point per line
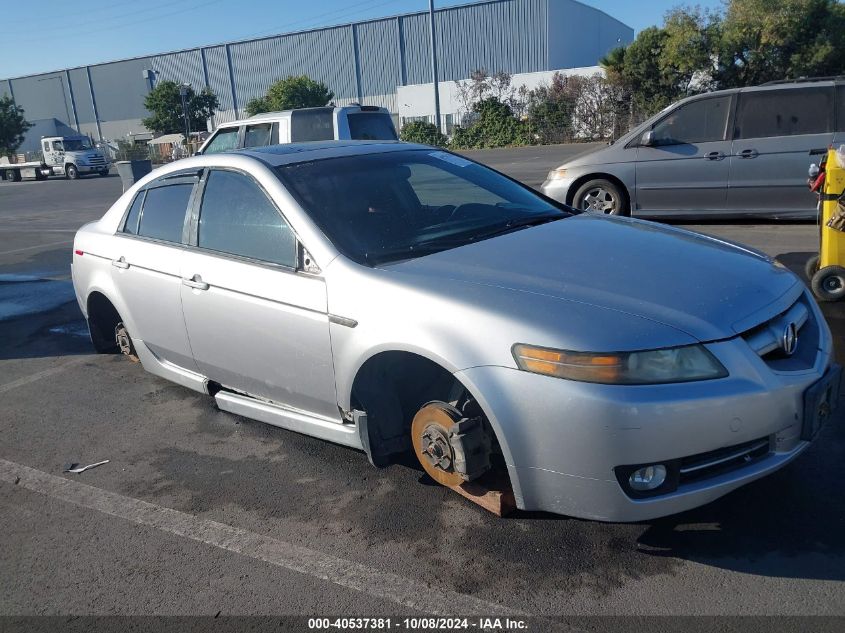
103 319
578 182
391 387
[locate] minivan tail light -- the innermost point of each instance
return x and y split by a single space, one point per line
78 252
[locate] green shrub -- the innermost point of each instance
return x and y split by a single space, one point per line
423 132
494 126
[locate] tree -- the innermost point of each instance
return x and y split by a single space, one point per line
766 40
165 106
13 126
423 132
292 92
748 43
493 126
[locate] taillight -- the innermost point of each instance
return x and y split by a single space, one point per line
78 252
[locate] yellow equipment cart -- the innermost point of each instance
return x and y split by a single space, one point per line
827 271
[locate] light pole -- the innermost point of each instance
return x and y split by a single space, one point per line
434 66
183 92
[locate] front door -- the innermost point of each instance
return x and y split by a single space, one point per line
775 132
686 166
146 268
255 323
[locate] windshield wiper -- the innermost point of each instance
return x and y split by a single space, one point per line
434 245
518 223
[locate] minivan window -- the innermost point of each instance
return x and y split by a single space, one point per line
225 140
163 213
784 112
236 217
371 126
258 135
134 215
312 125
699 121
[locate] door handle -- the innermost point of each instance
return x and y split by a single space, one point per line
195 282
748 153
120 263
714 156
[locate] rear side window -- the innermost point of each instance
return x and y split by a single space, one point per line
163 212
695 122
224 141
784 112
134 215
258 135
371 126
311 125
236 217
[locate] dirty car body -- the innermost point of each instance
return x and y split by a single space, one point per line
336 288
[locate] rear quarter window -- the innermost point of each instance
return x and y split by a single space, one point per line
311 125
371 126
163 212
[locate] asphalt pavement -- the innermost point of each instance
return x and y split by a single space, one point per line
200 512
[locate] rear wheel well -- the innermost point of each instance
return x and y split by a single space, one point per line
391 387
576 184
103 318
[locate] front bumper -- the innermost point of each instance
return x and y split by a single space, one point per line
562 439
557 189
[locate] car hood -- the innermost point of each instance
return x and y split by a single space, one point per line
703 286
602 155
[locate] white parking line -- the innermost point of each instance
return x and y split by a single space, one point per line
31 248
44 373
346 573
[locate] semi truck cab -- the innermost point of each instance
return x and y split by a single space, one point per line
73 156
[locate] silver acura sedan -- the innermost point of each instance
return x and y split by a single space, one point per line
394 297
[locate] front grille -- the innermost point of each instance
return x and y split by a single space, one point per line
767 338
723 460
97 160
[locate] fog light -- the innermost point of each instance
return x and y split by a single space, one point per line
648 477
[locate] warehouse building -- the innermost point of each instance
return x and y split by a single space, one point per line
366 62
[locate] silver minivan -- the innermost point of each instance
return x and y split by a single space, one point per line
352 122
732 152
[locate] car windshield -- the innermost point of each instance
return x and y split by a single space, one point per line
399 205
75 145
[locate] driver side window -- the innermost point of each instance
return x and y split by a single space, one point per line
700 121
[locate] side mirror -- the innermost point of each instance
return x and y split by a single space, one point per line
814 171
647 139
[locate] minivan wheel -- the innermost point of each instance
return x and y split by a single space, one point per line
829 283
812 266
71 172
600 196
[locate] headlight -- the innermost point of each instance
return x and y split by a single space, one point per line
674 364
557 174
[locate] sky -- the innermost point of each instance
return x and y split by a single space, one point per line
65 34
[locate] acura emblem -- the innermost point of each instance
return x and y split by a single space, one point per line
790 339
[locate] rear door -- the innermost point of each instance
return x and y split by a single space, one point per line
686 168
146 270
256 324
775 132
261 134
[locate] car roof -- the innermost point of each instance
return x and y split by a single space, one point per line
289 153
285 114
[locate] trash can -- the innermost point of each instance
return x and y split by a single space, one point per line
131 171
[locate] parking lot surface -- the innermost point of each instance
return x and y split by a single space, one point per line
202 512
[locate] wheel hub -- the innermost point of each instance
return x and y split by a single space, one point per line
436 449
600 200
